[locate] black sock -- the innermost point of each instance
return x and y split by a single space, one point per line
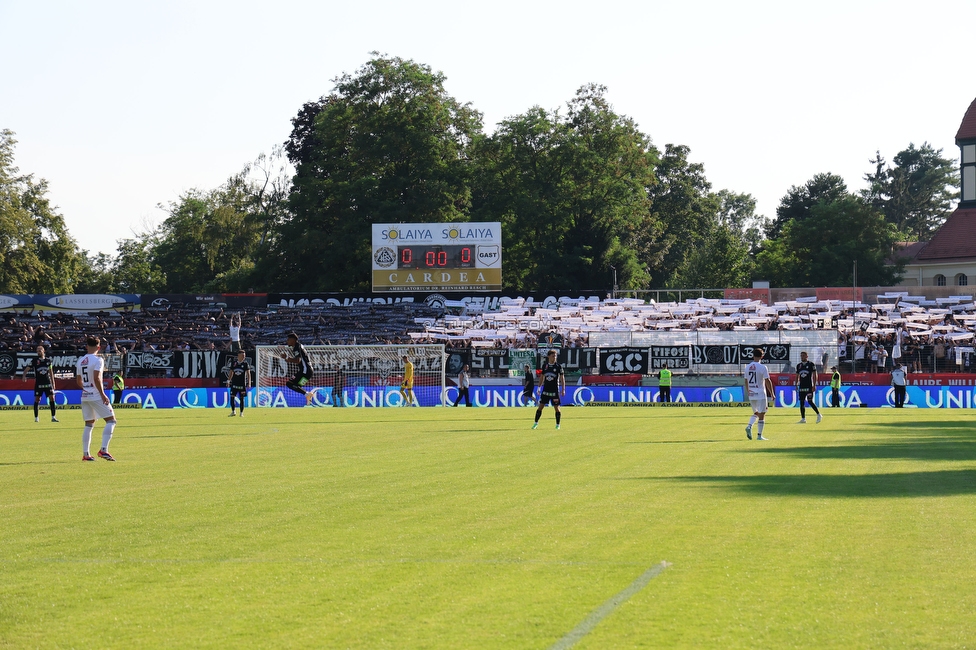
54 408
35 409
557 417
538 414
803 411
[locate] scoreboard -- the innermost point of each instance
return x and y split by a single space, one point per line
437 257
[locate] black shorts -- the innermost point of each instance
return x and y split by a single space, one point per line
301 378
549 398
237 389
43 390
805 394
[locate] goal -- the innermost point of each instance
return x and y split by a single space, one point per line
351 375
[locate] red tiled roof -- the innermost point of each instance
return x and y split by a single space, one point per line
907 251
956 239
967 130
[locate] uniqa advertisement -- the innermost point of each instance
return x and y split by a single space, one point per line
502 396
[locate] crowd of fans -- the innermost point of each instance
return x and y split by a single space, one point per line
206 328
925 336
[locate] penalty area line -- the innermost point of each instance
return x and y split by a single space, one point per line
607 608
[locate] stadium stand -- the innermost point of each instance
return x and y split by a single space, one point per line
926 335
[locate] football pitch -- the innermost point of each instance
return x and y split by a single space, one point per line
464 528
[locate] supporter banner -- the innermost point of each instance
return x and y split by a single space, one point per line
571 359
456 358
489 358
578 359
723 355
8 363
629 360
62 362
518 358
670 356
550 341
500 396
544 299
190 364
775 353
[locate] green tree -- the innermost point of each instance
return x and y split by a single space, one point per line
37 255
820 250
95 274
917 193
682 201
724 257
571 193
208 241
133 269
389 145
798 203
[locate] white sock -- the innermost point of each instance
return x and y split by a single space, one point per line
761 422
86 440
107 434
752 420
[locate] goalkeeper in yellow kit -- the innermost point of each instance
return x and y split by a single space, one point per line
406 388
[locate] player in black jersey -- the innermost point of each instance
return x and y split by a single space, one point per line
304 374
806 383
553 385
239 381
43 382
528 386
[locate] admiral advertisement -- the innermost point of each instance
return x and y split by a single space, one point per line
415 257
509 396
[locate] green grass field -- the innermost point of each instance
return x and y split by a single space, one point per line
463 528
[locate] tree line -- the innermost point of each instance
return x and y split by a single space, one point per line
583 194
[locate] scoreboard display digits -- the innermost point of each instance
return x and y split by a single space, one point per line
435 257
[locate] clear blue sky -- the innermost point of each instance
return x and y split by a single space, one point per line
124 105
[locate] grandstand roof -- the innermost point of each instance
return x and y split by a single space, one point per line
956 239
967 130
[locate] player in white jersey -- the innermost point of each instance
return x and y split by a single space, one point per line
94 402
760 389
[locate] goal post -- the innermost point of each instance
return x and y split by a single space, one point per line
351 375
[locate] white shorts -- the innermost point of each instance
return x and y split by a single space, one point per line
759 404
96 410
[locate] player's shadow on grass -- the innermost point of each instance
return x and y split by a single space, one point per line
901 484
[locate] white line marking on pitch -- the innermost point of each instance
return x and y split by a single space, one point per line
591 621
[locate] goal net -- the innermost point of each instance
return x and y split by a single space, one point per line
351 375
